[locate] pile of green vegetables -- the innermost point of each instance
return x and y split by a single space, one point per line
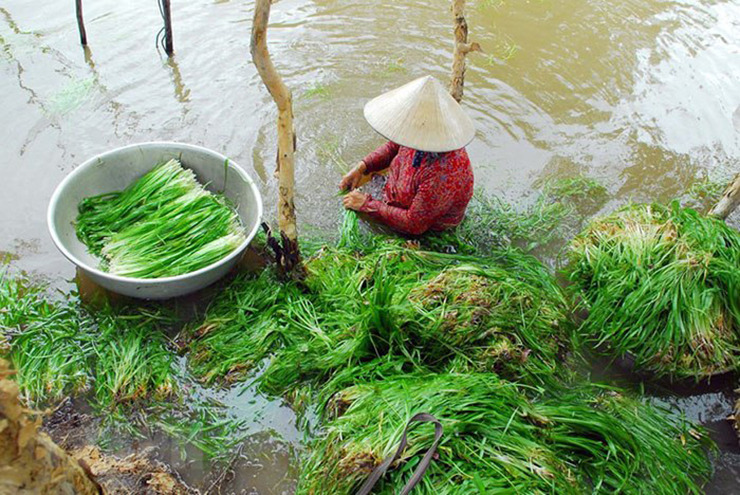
61 348
120 359
587 439
381 329
661 283
423 310
162 225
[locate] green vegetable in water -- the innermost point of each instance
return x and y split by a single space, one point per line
164 224
242 326
373 297
119 359
60 348
589 439
661 283
428 311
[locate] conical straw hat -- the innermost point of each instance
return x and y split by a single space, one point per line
421 115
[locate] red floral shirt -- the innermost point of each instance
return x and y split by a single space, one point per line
432 196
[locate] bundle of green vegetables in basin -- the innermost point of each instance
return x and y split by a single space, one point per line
662 285
155 220
162 225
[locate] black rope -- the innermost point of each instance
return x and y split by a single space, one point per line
380 471
159 40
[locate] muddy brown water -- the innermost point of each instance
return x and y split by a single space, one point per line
641 94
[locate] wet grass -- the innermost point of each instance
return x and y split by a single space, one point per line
492 223
496 439
430 311
374 296
584 192
241 327
705 192
133 359
389 66
661 283
206 426
120 359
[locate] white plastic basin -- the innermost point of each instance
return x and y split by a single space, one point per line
116 169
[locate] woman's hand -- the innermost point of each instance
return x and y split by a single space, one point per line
353 177
354 200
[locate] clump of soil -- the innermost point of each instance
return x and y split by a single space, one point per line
30 462
75 430
69 426
136 473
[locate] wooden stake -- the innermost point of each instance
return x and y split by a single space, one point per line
288 255
462 48
729 201
168 46
81 23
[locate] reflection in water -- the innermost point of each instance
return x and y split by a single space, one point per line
89 60
641 94
181 92
8 52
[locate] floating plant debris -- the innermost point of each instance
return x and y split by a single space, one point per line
662 284
164 224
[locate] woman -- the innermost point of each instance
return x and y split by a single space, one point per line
430 180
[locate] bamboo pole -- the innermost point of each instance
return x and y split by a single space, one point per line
81 23
288 255
729 200
168 45
462 48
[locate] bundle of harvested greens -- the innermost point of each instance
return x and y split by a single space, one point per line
162 225
60 348
589 439
662 284
242 326
422 310
428 310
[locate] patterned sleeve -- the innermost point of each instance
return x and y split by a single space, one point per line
381 158
432 200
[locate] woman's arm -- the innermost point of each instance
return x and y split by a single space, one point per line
374 162
432 200
380 158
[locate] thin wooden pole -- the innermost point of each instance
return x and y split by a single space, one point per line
729 201
288 256
462 48
168 45
81 23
